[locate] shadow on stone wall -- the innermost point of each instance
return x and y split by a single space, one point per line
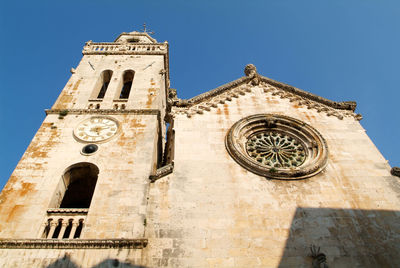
348 238
66 262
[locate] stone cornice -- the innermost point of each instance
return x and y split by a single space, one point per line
110 48
219 95
344 105
72 243
124 53
214 92
67 211
103 111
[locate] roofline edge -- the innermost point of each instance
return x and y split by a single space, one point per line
344 105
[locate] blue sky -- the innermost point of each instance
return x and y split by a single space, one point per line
341 50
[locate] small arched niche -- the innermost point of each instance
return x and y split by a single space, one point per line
127 80
76 187
102 84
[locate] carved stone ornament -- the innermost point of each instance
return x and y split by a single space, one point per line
277 147
251 71
395 171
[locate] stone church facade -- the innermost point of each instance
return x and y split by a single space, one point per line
254 173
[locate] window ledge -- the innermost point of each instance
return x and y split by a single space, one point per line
120 100
67 210
96 100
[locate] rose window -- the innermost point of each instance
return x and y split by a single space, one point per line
277 147
274 149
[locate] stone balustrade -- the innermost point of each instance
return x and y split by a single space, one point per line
115 48
63 223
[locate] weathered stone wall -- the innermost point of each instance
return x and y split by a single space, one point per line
148 87
213 213
55 258
210 212
125 162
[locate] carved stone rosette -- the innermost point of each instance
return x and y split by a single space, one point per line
277 147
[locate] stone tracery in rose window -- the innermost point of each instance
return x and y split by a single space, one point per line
274 149
277 146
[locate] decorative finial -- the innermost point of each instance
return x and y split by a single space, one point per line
145 29
251 71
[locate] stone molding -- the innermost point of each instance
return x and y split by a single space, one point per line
344 105
123 53
241 86
67 211
316 149
212 93
104 111
72 243
395 171
162 172
110 48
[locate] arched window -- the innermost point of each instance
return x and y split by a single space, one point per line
127 84
102 84
76 187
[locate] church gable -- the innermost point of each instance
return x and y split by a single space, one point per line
207 101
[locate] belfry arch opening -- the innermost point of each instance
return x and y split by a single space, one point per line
101 86
127 80
106 78
76 187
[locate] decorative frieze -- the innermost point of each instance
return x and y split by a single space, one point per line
104 111
241 86
67 210
91 48
309 104
73 243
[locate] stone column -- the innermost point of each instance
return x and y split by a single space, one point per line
53 225
64 225
42 228
75 224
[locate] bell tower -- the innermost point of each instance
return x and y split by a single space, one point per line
83 180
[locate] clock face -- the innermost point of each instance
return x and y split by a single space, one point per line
96 129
